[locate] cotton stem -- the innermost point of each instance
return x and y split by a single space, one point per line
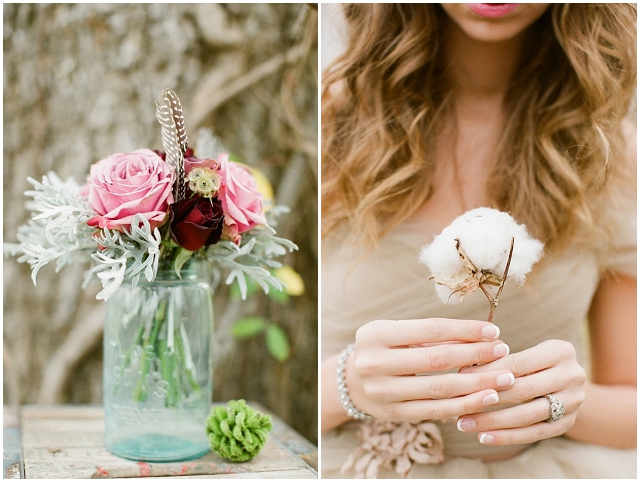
493 302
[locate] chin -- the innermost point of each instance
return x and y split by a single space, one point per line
494 22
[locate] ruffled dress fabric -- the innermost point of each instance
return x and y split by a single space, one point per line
390 284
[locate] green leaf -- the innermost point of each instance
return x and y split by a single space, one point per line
277 343
279 296
181 258
234 158
169 243
246 327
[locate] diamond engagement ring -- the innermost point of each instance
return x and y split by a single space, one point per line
556 408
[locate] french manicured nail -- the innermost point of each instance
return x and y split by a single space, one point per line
505 380
491 399
500 350
487 438
465 424
491 332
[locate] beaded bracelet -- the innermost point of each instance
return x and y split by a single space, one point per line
343 390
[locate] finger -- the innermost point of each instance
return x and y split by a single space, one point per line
542 383
395 333
437 343
521 415
520 364
525 435
446 386
441 409
408 361
531 360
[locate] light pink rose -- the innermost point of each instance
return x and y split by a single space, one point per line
123 185
190 163
241 201
230 233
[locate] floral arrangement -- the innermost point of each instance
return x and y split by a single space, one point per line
139 208
478 250
237 432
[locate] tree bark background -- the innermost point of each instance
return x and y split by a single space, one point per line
80 82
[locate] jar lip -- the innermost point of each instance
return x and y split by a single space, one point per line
194 268
168 264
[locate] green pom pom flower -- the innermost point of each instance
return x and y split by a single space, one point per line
238 432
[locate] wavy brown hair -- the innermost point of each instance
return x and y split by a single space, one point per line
562 148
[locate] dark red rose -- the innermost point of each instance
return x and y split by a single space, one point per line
196 222
187 153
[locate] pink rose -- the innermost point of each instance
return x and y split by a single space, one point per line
241 201
123 185
230 233
190 163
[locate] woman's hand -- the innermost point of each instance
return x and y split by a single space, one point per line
388 354
548 368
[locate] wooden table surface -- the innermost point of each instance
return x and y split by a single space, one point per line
65 441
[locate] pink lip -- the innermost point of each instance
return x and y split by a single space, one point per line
492 10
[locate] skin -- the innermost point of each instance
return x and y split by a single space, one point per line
550 367
482 55
490 30
388 352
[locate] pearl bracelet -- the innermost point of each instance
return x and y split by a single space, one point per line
343 390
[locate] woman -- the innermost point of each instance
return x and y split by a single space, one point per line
434 110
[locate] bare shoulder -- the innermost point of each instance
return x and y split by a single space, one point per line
630 133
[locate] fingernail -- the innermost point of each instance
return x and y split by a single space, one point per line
500 350
505 380
491 399
465 424
491 332
487 438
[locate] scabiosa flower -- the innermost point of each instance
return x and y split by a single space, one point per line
204 181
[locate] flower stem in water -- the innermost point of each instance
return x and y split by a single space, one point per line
140 392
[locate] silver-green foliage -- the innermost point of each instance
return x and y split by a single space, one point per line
127 254
252 258
58 228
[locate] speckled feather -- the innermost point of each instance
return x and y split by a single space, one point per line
174 135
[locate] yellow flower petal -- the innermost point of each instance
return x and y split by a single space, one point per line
292 281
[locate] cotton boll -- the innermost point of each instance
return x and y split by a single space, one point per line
526 252
442 258
485 236
444 262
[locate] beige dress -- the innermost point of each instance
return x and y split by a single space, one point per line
390 284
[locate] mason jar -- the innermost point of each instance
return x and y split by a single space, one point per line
158 365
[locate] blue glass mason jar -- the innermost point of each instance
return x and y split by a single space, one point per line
158 365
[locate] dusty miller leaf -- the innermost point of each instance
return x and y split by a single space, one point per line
127 254
58 229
